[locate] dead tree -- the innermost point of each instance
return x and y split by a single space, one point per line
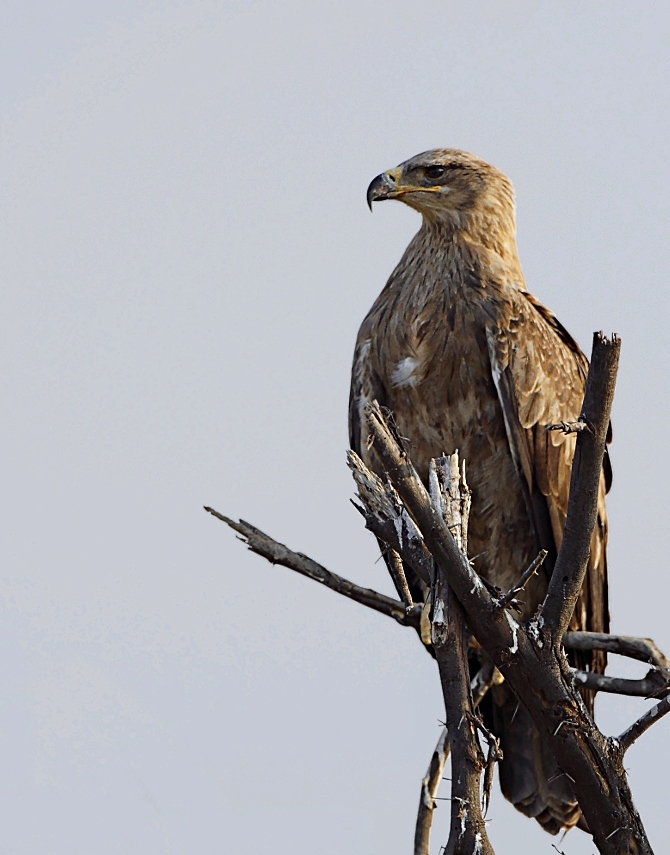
426 528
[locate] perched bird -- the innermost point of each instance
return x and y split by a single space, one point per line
466 358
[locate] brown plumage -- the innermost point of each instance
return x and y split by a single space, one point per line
467 359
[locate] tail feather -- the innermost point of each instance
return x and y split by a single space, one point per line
529 775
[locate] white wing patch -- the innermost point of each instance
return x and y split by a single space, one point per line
403 373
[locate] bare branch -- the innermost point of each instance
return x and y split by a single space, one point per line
510 596
487 676
429 787
276 553
642 649
643 724
467 831
530 660
652 685
568 576
450 498
527 656
399 578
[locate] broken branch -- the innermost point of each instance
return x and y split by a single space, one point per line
429 787
440 541
643 724
386 516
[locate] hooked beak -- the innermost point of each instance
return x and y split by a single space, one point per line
384 186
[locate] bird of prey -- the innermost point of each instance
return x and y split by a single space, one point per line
467 359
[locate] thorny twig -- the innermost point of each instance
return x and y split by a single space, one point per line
509 598
493 756
479 686
487 676
429 787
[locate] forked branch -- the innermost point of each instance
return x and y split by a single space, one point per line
533 664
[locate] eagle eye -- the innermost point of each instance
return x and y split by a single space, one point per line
435 172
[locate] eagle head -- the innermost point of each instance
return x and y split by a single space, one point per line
448 185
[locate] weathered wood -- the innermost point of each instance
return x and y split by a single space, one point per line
642 649
397 572
276 553
386 516
642 725
652 685
467 833
439 540
486 677
450 498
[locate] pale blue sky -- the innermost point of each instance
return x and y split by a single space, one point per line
187 256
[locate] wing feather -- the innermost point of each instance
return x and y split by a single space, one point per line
540 375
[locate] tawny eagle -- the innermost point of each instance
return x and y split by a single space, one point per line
466 358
